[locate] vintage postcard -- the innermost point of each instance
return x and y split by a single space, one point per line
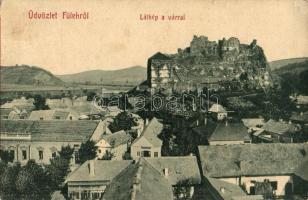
154 100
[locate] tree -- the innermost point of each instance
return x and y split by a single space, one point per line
66 152
40 103
28 182
59 166
91 95
183 189
87 151
122 121
7 184
107 156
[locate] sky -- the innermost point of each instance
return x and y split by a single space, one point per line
114 37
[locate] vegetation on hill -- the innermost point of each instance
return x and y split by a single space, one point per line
281 63
132 75
294 77
27 75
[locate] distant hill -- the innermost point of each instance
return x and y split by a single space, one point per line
280 63
294 76
28 75
132 75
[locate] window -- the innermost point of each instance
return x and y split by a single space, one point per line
41 118
54 154
74 195
71 118
252 190
95 195
24 154
41 155
138 153
274 185
99 151
57 117
22 117
155 154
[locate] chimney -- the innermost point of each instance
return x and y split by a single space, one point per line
166 172
91 168
222 190
197 122
226 123
301 113
146 122
205 121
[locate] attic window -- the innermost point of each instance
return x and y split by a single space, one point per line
238 164
303 152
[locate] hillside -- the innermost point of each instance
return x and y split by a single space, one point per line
28 75
132 75
280 63
294 76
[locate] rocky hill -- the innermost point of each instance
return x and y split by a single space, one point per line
28 75
132 75
206 63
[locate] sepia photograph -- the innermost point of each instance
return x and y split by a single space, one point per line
154 100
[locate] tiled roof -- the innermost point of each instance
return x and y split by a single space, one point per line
279 127
151 131
180 168
104 170
52 131
229 132
139 181
117 138
252 159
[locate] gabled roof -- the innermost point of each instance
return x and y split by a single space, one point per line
48 114
252 159
139 181
51 131
160 56
279 127
118 138
217 108
252 122
180 168
229 132
104 170
224 189
151 132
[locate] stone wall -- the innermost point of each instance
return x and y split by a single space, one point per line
209 61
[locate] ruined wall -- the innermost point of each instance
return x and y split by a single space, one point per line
209 61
